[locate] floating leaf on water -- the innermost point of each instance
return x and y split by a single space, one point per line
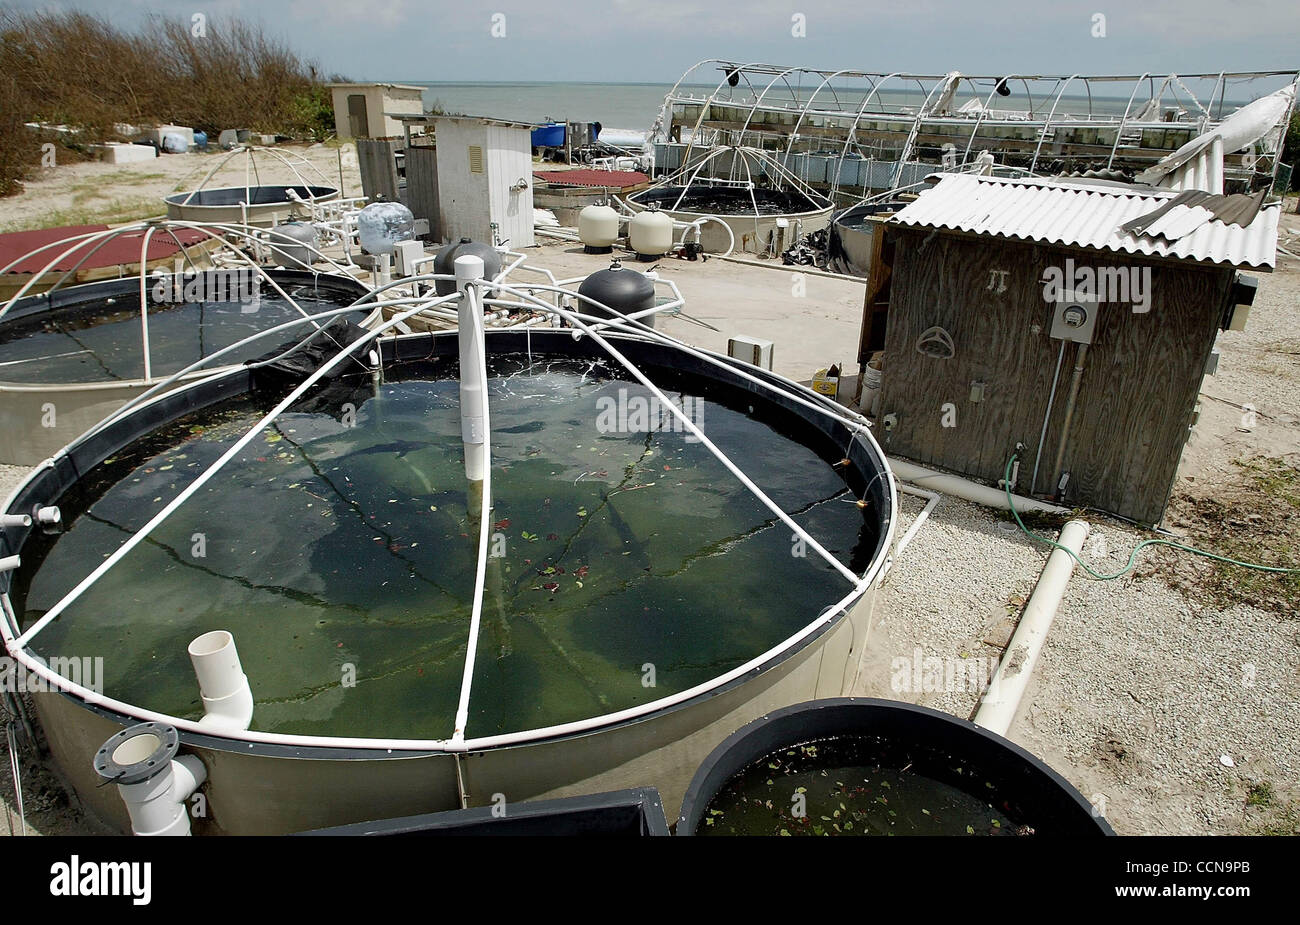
970 830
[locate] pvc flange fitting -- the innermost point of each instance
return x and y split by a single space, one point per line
148 766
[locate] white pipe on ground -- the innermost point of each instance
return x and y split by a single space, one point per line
1002 699
967 490
473 398
932 500
227 698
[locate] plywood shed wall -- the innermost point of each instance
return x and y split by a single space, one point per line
1138 392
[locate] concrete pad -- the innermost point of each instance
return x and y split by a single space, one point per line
812 321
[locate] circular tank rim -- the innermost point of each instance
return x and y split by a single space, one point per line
317 194
637 206
759 737
238 380
71 296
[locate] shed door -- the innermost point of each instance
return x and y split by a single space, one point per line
357 122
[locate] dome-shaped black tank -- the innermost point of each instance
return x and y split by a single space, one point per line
623 290
445 262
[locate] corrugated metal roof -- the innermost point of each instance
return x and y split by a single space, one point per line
1084 213
616 179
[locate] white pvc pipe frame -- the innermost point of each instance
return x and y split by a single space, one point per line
101 238
877 80
16 643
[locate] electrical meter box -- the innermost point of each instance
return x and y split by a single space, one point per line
1075 318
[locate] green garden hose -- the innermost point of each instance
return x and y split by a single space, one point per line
1132 559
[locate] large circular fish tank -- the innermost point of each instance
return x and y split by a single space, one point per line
639 603
71 356
252 205
747 189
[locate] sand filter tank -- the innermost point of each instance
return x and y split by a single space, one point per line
292 244
444 261
650 233
598 229
625 291
380 225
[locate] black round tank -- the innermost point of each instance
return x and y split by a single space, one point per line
623 290
444 261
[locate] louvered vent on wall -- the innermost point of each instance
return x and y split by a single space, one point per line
475 159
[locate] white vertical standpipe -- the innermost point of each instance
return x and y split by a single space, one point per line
473 367
227 699
1002 699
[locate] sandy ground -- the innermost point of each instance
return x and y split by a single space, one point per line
94 192
1164 710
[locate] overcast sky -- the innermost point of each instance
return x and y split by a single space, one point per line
656 40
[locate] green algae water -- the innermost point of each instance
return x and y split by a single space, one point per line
857 786
339 548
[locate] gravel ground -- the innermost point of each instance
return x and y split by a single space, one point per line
1137 693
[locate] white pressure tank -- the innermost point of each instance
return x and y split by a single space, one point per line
380 225
650 233
598 229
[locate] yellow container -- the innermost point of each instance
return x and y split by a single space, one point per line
826 385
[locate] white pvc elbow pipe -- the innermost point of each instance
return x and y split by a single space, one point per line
473 397
227 698
1002 699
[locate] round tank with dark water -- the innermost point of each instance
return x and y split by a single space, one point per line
79 351
639 602
850 240
266 204
863 766
751 214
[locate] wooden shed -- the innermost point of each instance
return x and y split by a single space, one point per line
998 295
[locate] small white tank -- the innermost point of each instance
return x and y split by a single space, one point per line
598 229
650 233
